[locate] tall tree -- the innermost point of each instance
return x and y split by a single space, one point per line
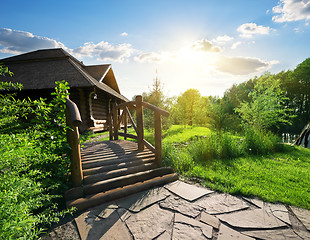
266 107
190 108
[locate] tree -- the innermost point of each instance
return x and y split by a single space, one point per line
157 98
266 107
190 108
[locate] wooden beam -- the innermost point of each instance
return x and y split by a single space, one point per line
125 123
139 117
115 121
127 135
127 104
156 109
149 146
158 145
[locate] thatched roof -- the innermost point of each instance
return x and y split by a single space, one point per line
41 69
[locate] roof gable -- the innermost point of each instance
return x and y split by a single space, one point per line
41 69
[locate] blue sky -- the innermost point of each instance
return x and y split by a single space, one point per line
202 44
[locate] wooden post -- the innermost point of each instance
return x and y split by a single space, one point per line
73 139
125 123
157 121
110 125
139 118
115 121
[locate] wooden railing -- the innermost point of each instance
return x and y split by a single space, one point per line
73 120
115 120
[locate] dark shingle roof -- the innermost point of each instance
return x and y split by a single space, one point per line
41 69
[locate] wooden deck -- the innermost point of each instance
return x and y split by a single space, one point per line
114 169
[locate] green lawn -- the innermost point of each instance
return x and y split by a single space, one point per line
281 176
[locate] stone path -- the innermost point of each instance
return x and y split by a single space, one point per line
184 211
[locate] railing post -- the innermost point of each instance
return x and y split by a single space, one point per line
115 121
139 118
110 125
125 124
73 139
157 121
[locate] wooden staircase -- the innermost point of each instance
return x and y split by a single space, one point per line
114 169
105 171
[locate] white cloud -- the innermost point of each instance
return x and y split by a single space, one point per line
205 46
222 39
247 30
124 34
105 51
291 10
154 57
236 44
16 42
242 65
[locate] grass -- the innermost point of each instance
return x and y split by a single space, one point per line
250 165
279 177
254 165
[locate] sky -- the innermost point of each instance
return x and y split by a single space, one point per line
203 44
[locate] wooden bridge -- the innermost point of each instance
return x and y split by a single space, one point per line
104 171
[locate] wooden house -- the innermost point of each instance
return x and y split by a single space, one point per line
93 88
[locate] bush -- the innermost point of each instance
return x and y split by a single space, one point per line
34 166
259 142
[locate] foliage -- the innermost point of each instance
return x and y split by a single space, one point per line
190 108
250 165
157 98
34 163
266 107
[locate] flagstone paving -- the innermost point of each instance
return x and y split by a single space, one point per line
185 211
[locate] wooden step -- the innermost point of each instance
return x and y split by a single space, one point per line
91 154
114 156
114 172
114 160
102 197
118 165
116 182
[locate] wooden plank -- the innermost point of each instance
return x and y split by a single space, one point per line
115 121
128 135
130 104
131 120
158 146
125 123
149 146
156 109
139 118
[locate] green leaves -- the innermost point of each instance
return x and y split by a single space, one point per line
266 107
34 166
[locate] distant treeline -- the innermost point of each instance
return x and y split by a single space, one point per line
277 102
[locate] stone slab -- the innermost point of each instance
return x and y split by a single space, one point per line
257 202
90 226
66 231
150 222
184 231
210 220
226 233
278 234
279 211
141 200
257 219
187 191
205 229
182 206
221 203
303 215
165 236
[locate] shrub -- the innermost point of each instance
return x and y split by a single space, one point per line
33 167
